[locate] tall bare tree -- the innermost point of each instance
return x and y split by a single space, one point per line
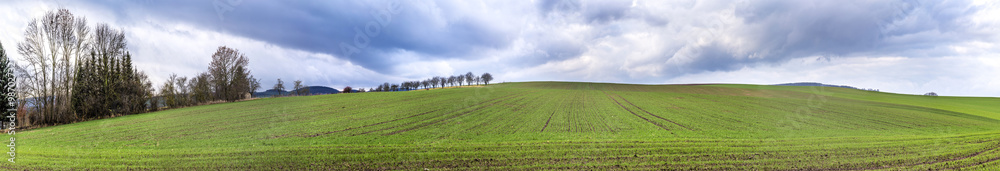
230 76
254 85
51 46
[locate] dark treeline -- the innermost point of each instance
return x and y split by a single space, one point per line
436 82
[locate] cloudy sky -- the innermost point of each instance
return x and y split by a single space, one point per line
949 47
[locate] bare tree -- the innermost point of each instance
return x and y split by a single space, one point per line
487 77
254 85
201 87
51 46
230 76
469 78
435 81
298 87
460 79
442 81
279 87
183 92
451 80
169 91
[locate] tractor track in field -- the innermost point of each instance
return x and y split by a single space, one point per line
547 121
633 113
644 110
421 120
995 147
495 101
370 125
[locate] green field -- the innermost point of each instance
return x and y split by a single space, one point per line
541 125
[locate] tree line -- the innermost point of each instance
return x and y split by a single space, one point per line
227 79
435 82
75 72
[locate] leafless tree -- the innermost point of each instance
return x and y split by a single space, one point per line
254 85
469 78
279 87
231 78
460 79
434 81
51 46
298 88
487 77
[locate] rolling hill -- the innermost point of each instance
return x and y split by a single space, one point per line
541 125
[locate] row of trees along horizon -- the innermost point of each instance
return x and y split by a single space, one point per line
433 82
71 74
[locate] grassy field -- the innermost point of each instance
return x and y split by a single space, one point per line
541 125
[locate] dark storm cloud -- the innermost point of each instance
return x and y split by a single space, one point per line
727 35
776 31
324 26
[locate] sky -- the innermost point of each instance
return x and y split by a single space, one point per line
910 46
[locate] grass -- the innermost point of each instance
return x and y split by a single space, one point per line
541 125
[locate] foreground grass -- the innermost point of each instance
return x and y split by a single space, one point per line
540 125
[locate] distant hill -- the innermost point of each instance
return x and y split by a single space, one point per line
816 84
313 90
316 90
269 93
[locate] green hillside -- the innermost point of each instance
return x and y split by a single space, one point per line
541 125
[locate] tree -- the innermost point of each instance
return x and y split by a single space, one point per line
182 91
279 87
169 92
386 87
201 88
477 80
230 76
347 89
254 85
298 87
468 78
425 83
931 94
460 79
451 80
105 83
395 87
487 77
8 96
435 81
50 47
442 81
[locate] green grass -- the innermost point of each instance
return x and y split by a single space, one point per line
541 125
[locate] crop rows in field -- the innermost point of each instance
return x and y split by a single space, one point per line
859 153
575 126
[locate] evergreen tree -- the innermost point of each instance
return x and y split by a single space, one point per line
8 98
